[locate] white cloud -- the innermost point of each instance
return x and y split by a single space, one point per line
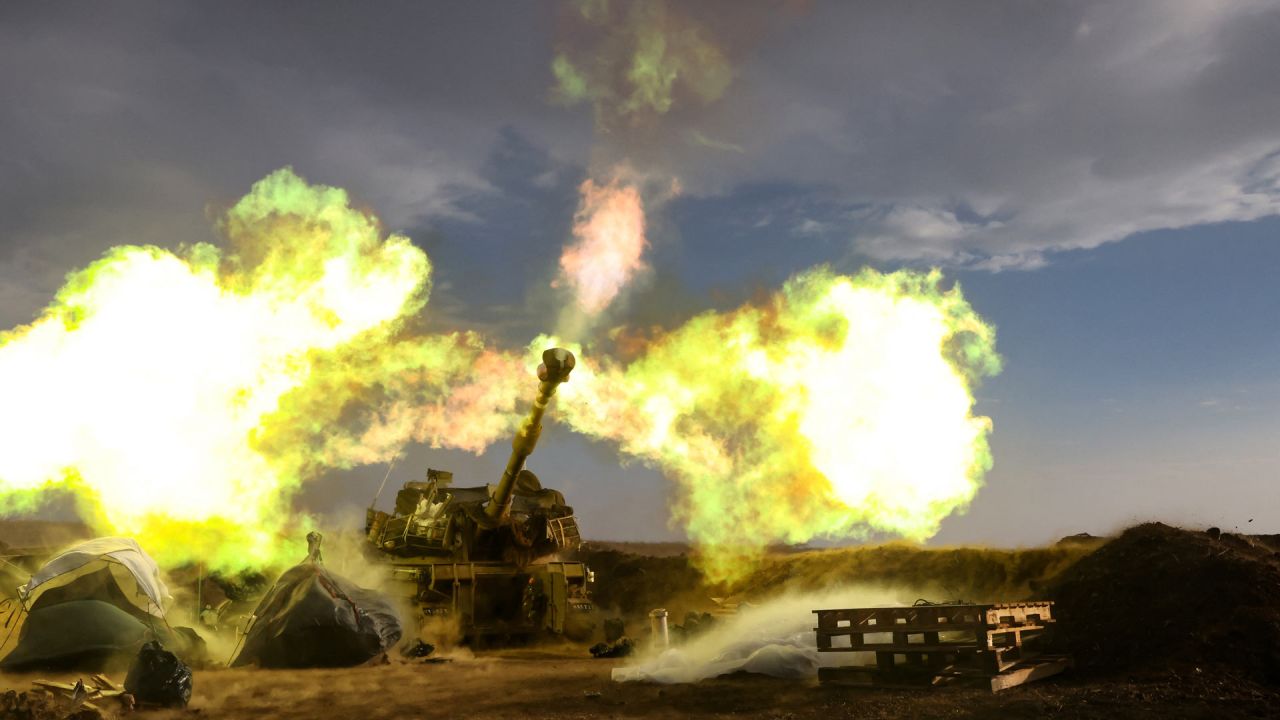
994 134
981 134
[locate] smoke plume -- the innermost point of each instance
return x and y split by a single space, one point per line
606 253
632 60
838 408
161 387
183 397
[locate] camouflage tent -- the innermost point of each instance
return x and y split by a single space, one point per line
110 569
94 603
78 634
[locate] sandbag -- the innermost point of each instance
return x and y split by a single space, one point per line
622 647
314 618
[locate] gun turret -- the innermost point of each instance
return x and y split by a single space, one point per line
492 558
556 365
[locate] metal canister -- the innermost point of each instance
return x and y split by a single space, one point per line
658 627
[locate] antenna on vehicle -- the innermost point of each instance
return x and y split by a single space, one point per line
391 466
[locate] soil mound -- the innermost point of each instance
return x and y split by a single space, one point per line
632 584
1161 598
970 574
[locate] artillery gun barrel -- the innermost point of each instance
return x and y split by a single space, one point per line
556 365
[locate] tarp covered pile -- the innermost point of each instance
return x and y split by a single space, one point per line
312 617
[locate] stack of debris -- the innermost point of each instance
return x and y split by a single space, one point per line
78 701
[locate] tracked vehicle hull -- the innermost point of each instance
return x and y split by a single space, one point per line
489 602
488 561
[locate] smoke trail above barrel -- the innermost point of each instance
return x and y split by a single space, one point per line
607 251
839 408
643 67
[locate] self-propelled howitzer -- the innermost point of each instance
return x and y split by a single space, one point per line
488 557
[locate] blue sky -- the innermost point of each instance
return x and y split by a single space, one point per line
1141 378
1102 179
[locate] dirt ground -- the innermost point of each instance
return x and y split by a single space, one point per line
564 684
1206 644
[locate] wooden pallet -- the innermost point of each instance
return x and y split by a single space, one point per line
927 645
1042 666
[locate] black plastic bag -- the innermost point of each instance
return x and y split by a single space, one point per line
418 649
158 677
622 647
